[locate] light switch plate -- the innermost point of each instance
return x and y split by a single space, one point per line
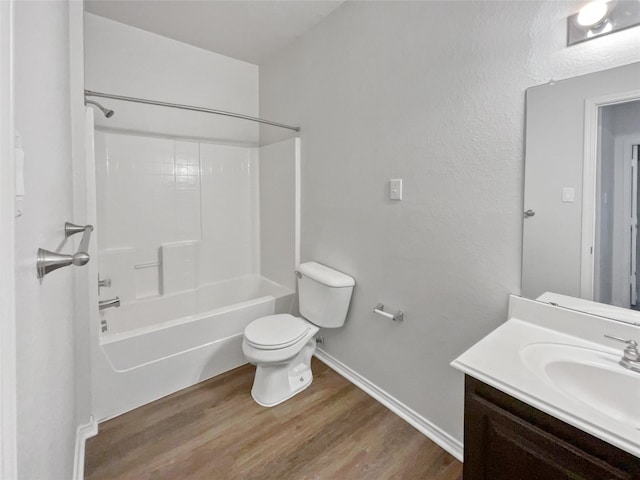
568 194
395 189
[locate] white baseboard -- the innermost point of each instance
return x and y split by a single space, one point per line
424 426
82 434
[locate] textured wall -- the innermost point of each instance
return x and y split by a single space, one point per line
432 92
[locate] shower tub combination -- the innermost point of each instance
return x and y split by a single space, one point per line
142 365
193 236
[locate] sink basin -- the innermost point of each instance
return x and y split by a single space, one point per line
591 377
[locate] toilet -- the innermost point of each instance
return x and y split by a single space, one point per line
281 346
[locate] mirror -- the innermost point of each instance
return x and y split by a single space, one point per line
581 188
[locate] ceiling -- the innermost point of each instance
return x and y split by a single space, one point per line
248 30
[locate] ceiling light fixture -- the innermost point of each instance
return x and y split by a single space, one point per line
592 14
601 17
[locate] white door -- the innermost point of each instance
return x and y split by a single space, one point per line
8 435
47 360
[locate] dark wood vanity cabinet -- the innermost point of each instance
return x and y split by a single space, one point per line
506 439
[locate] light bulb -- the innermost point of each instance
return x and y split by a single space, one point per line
592 13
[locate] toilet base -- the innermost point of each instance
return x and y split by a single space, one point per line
276 382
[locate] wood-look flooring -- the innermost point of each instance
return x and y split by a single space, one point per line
214 430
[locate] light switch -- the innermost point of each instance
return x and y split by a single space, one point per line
568 194
395 189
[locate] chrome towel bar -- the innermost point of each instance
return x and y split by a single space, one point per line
396 317
48 261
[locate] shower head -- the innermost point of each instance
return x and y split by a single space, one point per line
107 113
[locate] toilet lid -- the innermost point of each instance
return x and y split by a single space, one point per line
276 331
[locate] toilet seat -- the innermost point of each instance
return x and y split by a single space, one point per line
275 332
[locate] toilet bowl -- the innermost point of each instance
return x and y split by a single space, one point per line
281 346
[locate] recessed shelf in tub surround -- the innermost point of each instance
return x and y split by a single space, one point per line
560 362
176 271
178 266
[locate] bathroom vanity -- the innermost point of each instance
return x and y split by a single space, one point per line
545 398
506 439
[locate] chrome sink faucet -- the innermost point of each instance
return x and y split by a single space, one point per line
631 355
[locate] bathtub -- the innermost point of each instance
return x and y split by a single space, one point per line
150 350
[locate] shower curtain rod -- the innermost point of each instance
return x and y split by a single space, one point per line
90 93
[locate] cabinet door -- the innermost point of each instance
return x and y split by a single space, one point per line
500 445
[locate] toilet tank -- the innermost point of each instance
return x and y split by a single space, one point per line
325 294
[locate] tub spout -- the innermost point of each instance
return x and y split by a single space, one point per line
114 302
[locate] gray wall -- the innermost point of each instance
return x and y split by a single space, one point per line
278 212
431 92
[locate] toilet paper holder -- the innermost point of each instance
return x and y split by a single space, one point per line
396 317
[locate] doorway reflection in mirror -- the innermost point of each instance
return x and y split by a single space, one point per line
616 258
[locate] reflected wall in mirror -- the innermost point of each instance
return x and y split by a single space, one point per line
581 183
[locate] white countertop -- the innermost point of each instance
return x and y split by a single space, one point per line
497 361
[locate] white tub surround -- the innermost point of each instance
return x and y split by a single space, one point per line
174 215
178 229
518 358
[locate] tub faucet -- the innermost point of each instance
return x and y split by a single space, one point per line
114 302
